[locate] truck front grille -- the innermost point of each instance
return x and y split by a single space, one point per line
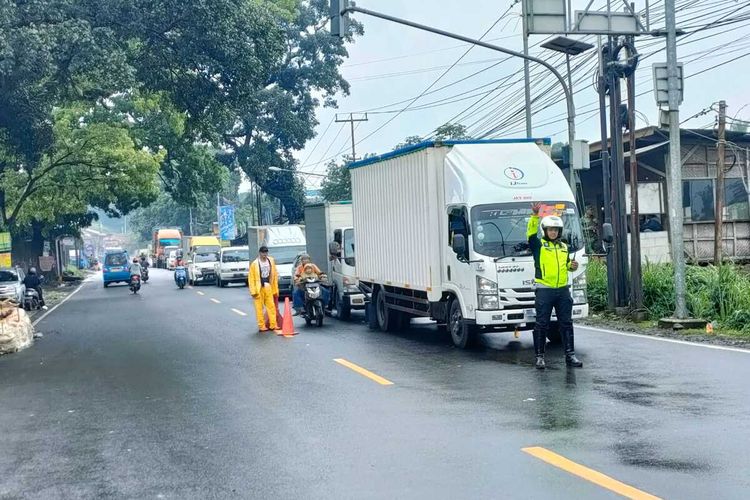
517 298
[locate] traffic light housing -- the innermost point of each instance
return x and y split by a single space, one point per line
339 21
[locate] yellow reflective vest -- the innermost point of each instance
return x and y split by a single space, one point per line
551 258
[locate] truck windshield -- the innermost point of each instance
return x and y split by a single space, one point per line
499 230
286 255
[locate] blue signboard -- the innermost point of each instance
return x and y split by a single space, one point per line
227 229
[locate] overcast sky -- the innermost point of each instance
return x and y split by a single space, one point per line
391 64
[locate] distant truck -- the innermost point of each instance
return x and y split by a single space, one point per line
441 233
164 237
201 254
284 244
330 244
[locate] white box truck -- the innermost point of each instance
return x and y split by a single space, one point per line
411 204
284 244
330 244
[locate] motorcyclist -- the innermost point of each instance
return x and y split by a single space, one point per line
144 261
135 268
33 281
551 262
306 269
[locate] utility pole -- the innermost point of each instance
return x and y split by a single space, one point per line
526 75
718 233
351 120
636 285
606 169
618 193
675 163
191 221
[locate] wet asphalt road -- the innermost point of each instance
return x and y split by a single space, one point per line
171 395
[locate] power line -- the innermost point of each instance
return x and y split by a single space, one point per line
471 47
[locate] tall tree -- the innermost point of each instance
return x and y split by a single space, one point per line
337 186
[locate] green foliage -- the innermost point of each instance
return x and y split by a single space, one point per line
596 284
454 131
337 186
713 293
409 141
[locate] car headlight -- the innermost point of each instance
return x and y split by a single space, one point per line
488 302
579 296
486 287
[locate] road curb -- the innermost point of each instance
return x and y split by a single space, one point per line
63 301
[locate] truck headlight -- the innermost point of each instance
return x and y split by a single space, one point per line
579 296
580 280
489 302
350 285
198 271
486 287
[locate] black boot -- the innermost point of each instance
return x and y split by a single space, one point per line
572 360
570 352
540 364
540 343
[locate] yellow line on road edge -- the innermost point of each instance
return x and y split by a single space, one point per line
591 475
216 301
364 372
237 311
200 293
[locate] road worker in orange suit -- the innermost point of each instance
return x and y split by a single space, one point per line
263 281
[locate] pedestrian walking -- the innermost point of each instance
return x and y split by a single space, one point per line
551 264
263 282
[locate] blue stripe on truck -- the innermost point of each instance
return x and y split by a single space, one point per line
430 144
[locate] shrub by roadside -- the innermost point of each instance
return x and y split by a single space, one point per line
717 294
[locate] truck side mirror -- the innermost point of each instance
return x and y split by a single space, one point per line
607 234
334 248
459 244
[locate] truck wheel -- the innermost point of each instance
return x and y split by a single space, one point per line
371 315
553 334
388 320
461 333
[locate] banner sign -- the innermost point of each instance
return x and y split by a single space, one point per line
227 228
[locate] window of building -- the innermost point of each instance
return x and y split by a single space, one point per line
736 205
698 200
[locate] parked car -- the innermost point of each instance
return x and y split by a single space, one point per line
116 267
11 284
233 265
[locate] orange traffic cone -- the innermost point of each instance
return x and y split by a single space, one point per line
287 327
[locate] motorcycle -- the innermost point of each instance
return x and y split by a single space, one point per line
313 308
135 283
144 274
31 300
180 276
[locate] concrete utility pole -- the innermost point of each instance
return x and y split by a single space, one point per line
720 146
351 121
675 164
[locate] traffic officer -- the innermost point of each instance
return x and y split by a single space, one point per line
263 282
551 263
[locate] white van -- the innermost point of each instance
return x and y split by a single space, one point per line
233 265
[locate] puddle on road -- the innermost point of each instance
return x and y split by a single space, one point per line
644 454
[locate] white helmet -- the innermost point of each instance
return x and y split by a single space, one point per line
552 221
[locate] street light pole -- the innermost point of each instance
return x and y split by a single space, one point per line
568 95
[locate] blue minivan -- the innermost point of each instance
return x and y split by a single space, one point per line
116 267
